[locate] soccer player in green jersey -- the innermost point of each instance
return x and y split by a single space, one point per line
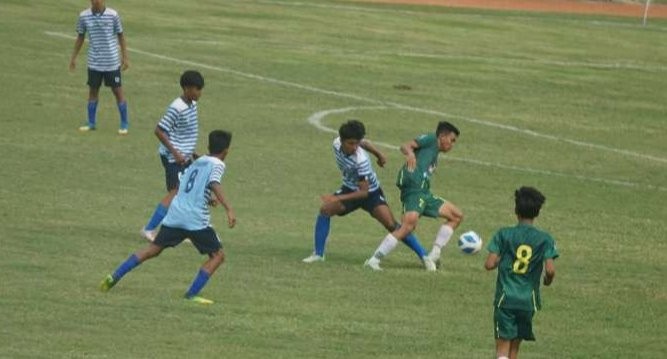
414 181
520 253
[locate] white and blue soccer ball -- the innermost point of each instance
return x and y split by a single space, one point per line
470 242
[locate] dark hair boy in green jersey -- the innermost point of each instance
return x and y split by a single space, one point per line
520 253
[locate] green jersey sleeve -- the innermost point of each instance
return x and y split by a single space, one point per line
550 251
494 244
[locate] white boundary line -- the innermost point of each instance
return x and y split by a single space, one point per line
391 104
316 120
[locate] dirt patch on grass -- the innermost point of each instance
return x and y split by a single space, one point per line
562 6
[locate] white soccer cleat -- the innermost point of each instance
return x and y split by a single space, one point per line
313 258
434 255
122 131
148 235
373 263
429 265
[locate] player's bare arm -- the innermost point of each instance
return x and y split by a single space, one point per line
124 62
492 261
220 196
162 136
549 271
408 149
370 147
77 47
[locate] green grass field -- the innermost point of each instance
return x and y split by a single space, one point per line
574 105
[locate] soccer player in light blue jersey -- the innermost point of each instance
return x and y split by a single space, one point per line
177 131
189 217
361 189
105 34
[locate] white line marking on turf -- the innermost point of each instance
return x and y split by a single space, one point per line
316 120
393 104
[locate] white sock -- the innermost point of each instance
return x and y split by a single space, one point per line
503 357
443 236
388 244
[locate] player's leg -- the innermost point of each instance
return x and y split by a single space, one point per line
171 173
514 348
408 224
113 80
502 349
383 214
506 330
94 82
323 226
207 242
454 217
129 264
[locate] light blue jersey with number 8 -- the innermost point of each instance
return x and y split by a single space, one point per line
190 210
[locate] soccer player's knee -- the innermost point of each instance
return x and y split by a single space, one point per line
219 256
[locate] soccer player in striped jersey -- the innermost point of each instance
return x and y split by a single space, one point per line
105 34
520 253
189 217
414 181
177 131
361 189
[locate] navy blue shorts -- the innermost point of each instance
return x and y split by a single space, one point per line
368 204
111 78
172 172
205 240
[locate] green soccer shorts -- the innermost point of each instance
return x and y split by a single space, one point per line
512 324
423 202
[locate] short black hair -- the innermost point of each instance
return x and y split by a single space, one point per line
352 129
192 78
218 141
528 202
446 127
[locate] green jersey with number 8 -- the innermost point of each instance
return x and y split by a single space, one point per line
522 250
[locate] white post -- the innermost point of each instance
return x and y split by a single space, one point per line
646 5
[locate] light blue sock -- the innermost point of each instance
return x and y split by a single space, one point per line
125 267
198 283
322 225
157 217
92 112
122 109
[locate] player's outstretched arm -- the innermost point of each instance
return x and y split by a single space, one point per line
231 216
370 147
549 271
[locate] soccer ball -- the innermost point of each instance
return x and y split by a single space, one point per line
470 242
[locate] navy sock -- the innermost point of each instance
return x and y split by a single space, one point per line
122 109
198 283
322 225
125 267
92 112
157 217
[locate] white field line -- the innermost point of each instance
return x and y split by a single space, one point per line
621 65
392 104
316 120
